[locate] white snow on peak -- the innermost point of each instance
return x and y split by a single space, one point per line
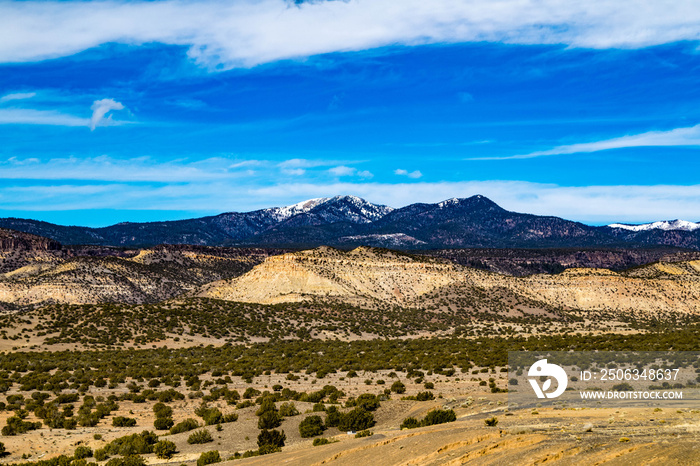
663 225
283 213
367 211
447 202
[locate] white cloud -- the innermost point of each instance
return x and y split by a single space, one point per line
251 32
28 116
294 171
676 137
100 108
108 169
17 96
342 170
39 117
592 204
414 174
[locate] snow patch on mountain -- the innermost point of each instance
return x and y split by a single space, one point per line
662 225
391 239
333 209
448 202
283 213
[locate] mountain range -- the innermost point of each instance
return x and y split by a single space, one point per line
348 221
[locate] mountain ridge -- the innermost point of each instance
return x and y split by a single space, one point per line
350 221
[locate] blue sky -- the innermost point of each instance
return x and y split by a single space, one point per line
139 111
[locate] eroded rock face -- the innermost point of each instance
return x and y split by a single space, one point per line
361 275
366 275
11 240
34 273
146 276
652 289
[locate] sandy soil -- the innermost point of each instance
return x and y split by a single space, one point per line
558 436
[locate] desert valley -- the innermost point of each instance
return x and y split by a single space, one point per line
176 353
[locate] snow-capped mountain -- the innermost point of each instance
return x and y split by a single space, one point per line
333 209
348 221
666 225
283 213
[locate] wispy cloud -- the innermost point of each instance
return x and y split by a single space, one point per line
342 170
250 32
40 117
28 116
100 108
107 169
676 137
592 204
414 174
17 96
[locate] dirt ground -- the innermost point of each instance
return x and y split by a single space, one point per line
526 436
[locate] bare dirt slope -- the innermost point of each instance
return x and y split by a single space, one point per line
361 275
635 436
367 275
148 275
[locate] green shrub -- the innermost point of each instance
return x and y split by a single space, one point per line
269 420
163 423
266 405
201 436
121 421
319 408
367 401
491 422
267 449
209 457
70 423
164 449
356 420
162 410
622 387
135 444
273 438
410 423
131 460
288 410
425 396
333 417
184 426
311 427
211 416
16 425
250 392
398 387
363 433
101 454
439 416
82 452
3 451
321 441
